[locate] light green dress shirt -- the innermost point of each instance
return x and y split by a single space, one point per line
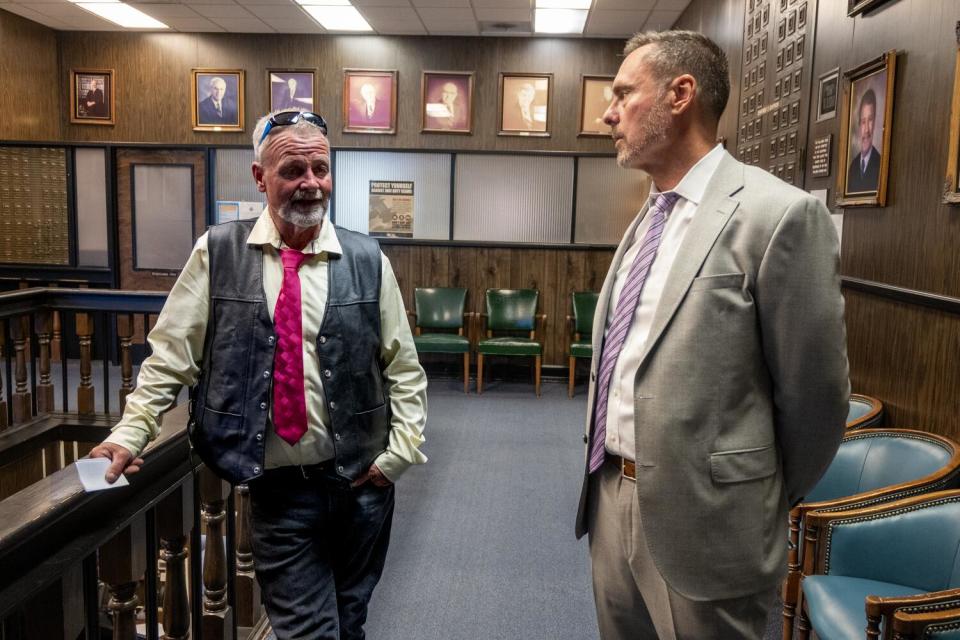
177 343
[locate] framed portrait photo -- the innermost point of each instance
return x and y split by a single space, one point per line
446 102
91 96
217 99
596 94
865 129
828 95
369 101
291 89
951 184
525 104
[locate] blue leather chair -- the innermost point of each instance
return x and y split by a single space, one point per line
928 622
871 466
865 412
872 562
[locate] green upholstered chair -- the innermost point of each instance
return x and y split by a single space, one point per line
876 561
871 466
511 311
439 311
584 305
864 413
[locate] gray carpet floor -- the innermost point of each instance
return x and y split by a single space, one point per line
483 543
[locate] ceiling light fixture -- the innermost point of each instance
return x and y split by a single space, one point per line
122 14
563 4
560 20
334 18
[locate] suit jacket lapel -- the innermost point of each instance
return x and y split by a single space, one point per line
709 220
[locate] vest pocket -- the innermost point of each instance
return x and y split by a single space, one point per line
228 371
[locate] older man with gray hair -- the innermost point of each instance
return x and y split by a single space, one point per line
306 385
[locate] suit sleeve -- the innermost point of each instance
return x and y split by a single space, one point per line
804 342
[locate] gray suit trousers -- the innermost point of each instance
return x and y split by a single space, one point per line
633 600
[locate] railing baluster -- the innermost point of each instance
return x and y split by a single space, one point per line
22 403
64 380
7 360
217 614
85 403
174 522
32 350
56 343
247 587
122 562
43 325
125 332
104 334
4 423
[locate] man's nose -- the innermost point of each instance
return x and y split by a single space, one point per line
610 116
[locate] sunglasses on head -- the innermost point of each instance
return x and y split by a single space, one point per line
285 118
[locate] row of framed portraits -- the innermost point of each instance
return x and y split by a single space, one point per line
369 100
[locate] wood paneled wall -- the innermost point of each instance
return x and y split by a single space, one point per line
904 354
555 272
153 82
31 102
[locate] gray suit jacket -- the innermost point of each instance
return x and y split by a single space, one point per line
742 390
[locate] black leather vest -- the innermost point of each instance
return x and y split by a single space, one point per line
230 404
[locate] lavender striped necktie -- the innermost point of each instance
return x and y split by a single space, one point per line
626 307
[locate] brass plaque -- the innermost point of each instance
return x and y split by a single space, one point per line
34 228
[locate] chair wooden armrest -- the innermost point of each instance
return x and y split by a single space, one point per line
879 608
540 321
909 625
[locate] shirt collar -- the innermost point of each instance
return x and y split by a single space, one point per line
694 184
265 232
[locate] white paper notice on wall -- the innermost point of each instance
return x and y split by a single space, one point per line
227 211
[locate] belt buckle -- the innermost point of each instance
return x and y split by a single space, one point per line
623 469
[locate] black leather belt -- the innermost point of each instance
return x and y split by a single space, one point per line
628 468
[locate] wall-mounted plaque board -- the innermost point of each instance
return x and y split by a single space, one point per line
34 228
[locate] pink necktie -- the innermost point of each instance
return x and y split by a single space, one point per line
289 404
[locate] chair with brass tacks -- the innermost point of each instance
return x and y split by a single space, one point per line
940 621
870 563
510 311
584 305
865 412
440 310
871 466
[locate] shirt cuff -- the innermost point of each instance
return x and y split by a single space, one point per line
393 466
130 438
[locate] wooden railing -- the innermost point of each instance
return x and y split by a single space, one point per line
91 565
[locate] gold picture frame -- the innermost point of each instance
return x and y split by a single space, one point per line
524 101
291 89
446 102
370 101
951 188
92 93
216 99
863 171
596 93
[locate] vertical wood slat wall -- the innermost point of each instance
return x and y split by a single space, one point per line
555 272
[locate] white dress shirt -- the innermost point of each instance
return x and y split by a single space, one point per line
620 420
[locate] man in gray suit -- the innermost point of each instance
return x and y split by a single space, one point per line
718 389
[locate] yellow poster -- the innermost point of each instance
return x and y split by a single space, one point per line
391 209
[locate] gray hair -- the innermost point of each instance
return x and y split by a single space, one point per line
680 52
302 129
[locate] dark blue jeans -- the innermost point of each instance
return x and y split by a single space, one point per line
318 548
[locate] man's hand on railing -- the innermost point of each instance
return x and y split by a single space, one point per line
122 460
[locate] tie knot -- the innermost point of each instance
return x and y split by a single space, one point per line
665 201
292 259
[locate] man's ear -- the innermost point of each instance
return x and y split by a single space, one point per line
258 176
684 89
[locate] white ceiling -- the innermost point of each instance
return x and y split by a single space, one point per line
607 18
